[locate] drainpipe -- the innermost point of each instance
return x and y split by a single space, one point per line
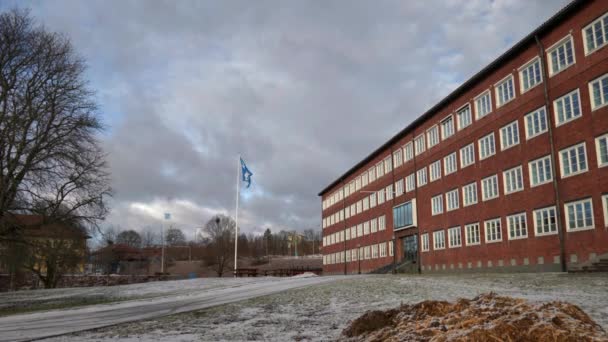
391 212
418 256
344 230
558 210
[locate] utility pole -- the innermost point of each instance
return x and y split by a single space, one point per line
162 236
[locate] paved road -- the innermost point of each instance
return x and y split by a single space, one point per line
58 322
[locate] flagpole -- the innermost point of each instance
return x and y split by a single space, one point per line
236 220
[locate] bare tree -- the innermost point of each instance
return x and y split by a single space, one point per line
129 238
49 155
150 238
220 230
175 237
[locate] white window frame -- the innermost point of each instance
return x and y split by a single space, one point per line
469 194
526 67
388 164
438 240
604 30
399 190
424 242
381 198
465 153
484 144
436 205
435 171
373 225
410 182
513 128
513 172
464 109
517 226
397 158
389 192
598 150
563 98
529 130
432 136
421 177
372 200
454 237
605 209
445 132
498 88
491 224
540 164
595 106
381 223
488 93
494 181
408 152
371 174
447 166
535 217
561 160
452 200
467 232
555 47
567 214
419 144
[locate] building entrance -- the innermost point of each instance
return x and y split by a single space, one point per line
410 248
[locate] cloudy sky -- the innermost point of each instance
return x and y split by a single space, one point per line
302 89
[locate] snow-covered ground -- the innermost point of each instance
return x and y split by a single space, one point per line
320 312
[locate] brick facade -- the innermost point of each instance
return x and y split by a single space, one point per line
535 252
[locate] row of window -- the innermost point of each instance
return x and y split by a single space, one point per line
573 161
369 227
579 216
560 56
374 251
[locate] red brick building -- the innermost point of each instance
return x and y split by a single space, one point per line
507 173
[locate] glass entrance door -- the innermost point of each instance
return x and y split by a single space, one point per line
410 248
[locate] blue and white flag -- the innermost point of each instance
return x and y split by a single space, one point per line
246 173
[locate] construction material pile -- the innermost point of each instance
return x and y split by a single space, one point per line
488 317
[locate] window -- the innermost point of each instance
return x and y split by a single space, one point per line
351 187
404 215
432 136
379 170
381 223
357 183
360 229
367 253
399 188
371 174
560 55
389 192
489 187
419 142
447 127
382 249
567 108
601 147
487 146
424 242
380 196
509 135
347 256
605 209
390 248
464 117
397 158
421 177
364 179
598 90
388 164
472 234
483 105
410 183
493 233
372 200
365 203
354 254
435 170
545 221
579 215
536 123
451 200
437 205
530 75
595 35
469 194
408 152
353 232
439 240
540 171
573 160
513 180
517 226
449 164
505 91
359 207
467 155
454 237
374 251
373 225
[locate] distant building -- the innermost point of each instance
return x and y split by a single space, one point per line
508 172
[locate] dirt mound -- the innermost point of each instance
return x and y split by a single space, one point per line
487 317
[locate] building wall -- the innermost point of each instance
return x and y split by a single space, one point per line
533 252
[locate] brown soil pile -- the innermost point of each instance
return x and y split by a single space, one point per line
487 317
